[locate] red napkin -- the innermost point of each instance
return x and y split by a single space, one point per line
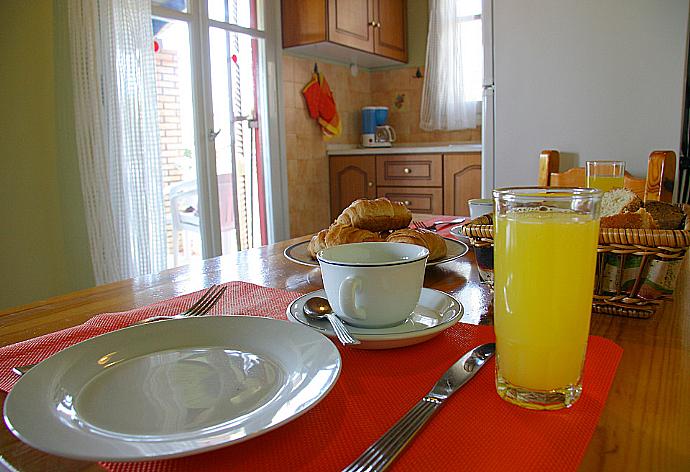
475 430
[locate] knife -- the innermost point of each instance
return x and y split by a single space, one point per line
380 455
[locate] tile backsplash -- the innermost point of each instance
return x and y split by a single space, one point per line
398 89
401 91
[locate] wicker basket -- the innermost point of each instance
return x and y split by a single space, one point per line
636 268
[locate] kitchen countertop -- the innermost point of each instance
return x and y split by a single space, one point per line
402 148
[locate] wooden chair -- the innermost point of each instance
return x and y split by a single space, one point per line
684 180
658 185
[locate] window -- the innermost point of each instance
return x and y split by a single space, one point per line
454 66
470 25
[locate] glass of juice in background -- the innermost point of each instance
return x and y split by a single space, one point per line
605 175
545 250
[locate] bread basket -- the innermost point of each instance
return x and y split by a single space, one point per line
637 269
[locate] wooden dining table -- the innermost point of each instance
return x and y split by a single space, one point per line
645 424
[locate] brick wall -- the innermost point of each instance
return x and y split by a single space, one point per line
169 124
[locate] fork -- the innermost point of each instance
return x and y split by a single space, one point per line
434 226
202 306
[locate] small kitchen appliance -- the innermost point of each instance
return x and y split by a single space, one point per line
375 131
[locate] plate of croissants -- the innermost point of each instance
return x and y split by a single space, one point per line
374 221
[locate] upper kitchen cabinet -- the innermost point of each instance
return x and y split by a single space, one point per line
391 28
370 33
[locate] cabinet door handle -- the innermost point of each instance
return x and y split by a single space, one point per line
407 203
370 183
407 170
378 24
372 23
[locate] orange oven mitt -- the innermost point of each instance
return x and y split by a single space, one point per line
321 105
328 114
312 95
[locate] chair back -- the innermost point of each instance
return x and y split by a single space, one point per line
657 185
684 180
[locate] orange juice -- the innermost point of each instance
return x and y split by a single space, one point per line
544 267
604 182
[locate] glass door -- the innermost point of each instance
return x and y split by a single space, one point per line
237 56
211 82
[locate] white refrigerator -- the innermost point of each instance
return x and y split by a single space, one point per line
595 79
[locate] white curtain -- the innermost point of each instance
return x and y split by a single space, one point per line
443 104
117 136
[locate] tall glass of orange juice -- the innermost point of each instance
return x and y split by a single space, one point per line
545 250
605 175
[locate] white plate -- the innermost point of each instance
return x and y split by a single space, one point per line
457 232
299 253
435 312
171 388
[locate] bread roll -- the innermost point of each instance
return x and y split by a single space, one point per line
421 237
346 234
318 242
375 215
666 215
638 220
619 200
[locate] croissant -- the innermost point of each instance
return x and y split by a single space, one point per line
375 215
345 234
421 237
318 242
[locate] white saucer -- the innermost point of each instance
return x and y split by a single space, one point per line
435 312
299 253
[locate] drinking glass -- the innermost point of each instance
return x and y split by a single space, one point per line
605 175
545 250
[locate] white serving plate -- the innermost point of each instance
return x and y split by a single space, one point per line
171 388
299 253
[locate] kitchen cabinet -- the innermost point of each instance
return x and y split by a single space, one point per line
352 177
416 180
336 28
462 179
391 27
425 183
417 199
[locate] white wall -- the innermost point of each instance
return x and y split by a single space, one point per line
594 79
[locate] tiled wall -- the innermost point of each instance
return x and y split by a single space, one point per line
308 187
306 150
401 91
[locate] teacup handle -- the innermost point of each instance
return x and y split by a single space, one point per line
348 300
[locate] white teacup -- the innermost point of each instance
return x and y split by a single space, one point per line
480 206
373 285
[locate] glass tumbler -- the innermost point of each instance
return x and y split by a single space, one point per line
605 175
545 250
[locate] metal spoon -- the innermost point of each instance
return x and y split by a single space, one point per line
318 308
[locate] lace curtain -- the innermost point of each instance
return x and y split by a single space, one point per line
444 105
117 136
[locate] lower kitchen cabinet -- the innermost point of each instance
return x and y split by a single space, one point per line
425 183
352 177
417 199
462 181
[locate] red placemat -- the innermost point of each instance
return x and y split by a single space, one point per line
474 430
